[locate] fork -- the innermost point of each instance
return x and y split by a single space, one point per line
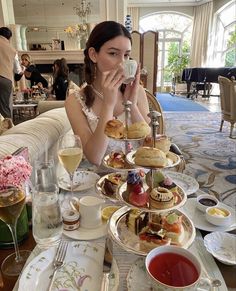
58 261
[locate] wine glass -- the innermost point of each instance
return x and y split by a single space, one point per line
12 201
70 154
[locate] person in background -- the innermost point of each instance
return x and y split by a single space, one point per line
9 64
61 79
89 109
32 73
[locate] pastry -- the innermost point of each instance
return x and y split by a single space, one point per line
172 223
138 196
162 143
150 157
161 198
116 160
133 178
136 220
138 130
111 183
161 180
115 128
168 183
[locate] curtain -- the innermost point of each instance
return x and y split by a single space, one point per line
201 28
134 12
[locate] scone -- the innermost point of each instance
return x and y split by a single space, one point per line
115 128
161 198
138 130
150 157
162 143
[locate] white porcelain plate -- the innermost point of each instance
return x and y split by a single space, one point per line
172 160
180 198
82 270
131 242
187 183
82 233
83 180
199 220
105 164
222 246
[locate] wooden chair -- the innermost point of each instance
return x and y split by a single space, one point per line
155 105
228 102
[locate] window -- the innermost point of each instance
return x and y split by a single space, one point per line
224 43
174 38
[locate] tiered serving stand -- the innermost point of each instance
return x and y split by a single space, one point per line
118 222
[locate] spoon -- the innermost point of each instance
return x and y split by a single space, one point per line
215 283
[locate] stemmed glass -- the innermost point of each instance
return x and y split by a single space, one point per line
70 153
12 201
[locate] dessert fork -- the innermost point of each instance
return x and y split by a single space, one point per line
58 261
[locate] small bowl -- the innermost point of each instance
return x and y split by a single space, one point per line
205 200
219 216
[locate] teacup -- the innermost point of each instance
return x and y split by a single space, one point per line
172 268
130 68
90 209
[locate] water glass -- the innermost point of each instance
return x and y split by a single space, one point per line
47 217
45 173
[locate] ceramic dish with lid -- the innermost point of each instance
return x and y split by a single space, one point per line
222 246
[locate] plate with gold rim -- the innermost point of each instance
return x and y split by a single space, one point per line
180 198
131 242
172 160
105 163
82 270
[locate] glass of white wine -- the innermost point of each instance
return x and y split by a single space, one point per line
12 201
70 153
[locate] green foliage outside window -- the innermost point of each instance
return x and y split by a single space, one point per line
230 56
176 62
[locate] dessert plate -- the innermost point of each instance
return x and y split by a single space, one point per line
105 163
199 220
222 246
82 270
83 180
101 190
172 160
130 242
187 183
180 198
82 233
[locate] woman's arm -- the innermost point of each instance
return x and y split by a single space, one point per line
94 144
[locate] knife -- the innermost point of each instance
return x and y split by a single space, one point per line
107 263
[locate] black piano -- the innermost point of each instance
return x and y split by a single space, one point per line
204 76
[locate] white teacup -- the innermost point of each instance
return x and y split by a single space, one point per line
130 68
90 209
180 263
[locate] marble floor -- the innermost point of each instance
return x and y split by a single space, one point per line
212 103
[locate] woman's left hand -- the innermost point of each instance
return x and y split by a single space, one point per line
131 90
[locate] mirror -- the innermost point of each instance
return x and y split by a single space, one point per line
49 20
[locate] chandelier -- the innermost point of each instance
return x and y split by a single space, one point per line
83 10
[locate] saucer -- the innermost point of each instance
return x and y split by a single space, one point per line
82 233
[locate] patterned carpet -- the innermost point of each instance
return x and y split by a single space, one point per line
210 155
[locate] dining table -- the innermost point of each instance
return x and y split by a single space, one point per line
126 277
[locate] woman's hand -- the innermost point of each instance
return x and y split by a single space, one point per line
110 83
131 90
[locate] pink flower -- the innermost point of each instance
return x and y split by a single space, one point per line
14 171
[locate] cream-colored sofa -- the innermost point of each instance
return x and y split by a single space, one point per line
37 134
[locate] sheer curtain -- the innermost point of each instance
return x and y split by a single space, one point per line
134 12
201 26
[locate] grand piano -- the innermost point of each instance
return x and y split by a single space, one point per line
204 76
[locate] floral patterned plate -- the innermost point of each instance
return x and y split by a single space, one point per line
82 270
83 180
222 246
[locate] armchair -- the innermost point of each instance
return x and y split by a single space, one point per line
228 102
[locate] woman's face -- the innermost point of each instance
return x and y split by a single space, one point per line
25 62
112 53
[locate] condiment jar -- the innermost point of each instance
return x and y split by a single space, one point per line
70 219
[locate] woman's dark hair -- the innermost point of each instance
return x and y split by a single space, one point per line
101 33
63 69
6 32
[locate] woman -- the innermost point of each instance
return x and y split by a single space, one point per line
32 73
61 81
88 110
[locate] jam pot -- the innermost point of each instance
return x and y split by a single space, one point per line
70 219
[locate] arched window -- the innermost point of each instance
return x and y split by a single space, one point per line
224 44
173 45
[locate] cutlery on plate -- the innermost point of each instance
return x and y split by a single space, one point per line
58 261
107 263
